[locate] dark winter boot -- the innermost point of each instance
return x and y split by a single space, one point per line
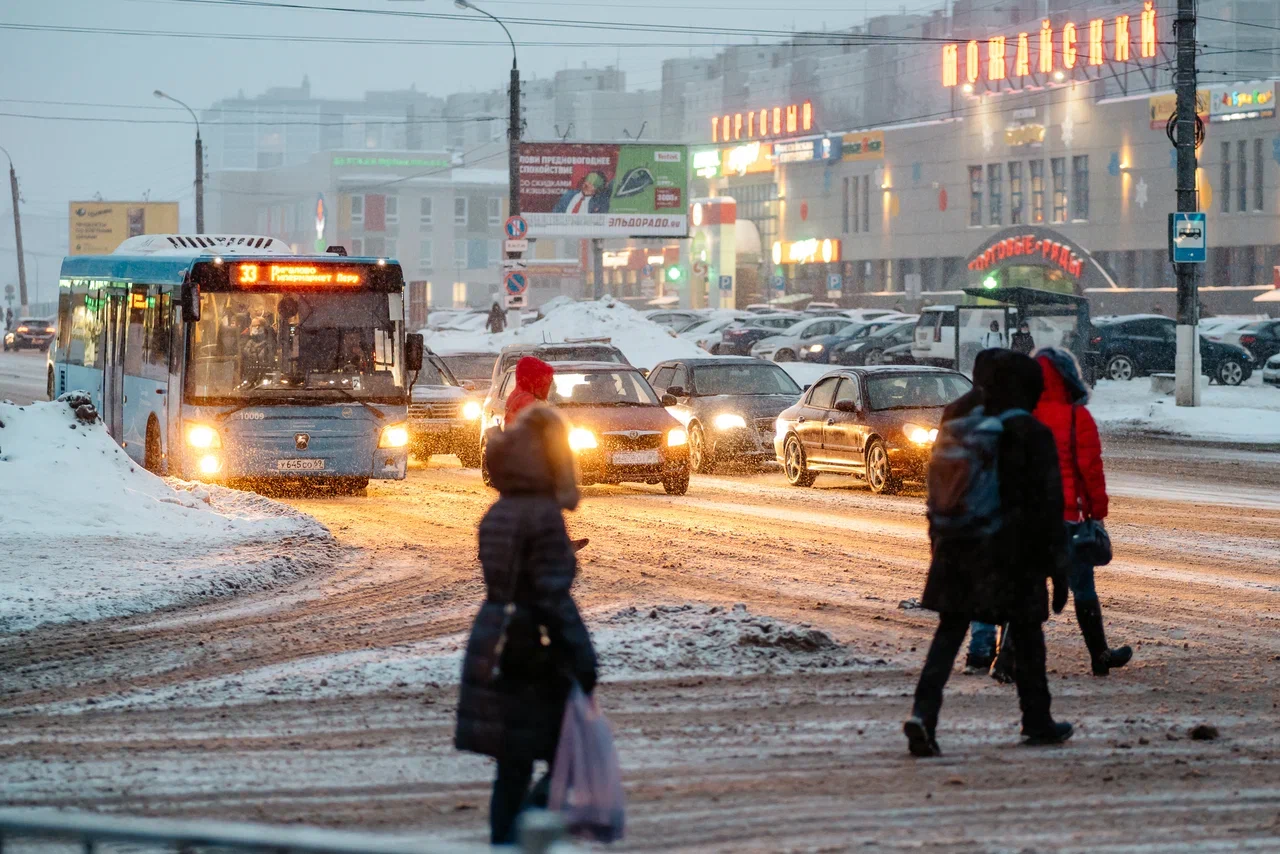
1089 616
1002 667
920 738
1055 733
975 664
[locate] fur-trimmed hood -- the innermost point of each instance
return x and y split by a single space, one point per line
1063 379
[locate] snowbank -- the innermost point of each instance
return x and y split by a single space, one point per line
86 533
1247 413
644 342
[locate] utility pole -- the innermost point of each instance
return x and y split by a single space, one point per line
597 265
199 159
17 236
1187 363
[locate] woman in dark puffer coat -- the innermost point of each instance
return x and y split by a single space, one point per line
528 641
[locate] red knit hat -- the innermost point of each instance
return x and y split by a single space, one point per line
534 376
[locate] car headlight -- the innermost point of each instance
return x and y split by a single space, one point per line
471 410
22 329
920 435
729 421
811 348
677 437
394 436
203 436
582 439
48 330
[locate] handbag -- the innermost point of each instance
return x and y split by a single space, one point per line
1089 538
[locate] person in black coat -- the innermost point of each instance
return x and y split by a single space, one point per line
528 642
1001 578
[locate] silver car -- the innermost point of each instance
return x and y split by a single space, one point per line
785 346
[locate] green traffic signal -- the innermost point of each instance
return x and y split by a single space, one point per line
990 283
674 274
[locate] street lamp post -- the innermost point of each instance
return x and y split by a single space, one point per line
513 122
17 234
199 161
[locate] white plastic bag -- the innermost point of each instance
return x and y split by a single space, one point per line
586 780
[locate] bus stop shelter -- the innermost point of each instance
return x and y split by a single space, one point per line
1055 320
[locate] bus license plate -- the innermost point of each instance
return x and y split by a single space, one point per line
635 458
299 465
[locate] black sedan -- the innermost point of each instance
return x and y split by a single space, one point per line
878 423
899 354
727 405
869 348
1135 345
30 333
1262 339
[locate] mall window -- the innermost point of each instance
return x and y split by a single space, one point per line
1258 176
1242 175
494 210
459 210
1058 166
1226 177
393 210
995 192
1037 191
866 202
844 210
1015 193
424 211
975 195
459 253
357 209
1080 186
426 256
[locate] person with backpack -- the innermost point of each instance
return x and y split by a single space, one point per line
528 644
995 526
1084 493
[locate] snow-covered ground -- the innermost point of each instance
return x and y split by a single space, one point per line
644 342
86 533
1245 413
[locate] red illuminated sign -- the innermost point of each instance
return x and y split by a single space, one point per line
1088 45
259 274
763 123
1052 251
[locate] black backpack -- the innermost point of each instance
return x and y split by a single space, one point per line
964 476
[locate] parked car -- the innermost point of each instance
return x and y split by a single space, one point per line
444 415
30 333
679 320
472 368
1261 338
593 350
935 336
709 333
785 346
869 314
738 340
868 348
878 423
898 355
1135 345
727 405
620 430
822 349
1271 371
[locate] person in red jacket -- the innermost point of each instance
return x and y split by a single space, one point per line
1084 488
533 384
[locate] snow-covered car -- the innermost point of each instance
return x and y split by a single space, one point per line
30 333
1271 371
444 415
867 315
786 346
677 319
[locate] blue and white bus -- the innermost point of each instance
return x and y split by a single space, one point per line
231 359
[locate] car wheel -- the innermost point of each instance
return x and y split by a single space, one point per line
484 466
880 476
1230 372
700 459
469 458
677 485
153 459
784 356
1121 368
873 357
795 465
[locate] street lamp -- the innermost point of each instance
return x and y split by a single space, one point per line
513 122
17 234
199 160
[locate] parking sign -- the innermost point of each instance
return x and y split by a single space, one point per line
726 283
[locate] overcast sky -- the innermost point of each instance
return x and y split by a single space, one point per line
109 77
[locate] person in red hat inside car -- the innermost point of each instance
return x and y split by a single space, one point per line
533 384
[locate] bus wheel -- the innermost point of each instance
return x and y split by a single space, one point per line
153 460
49 385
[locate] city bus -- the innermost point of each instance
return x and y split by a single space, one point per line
231 359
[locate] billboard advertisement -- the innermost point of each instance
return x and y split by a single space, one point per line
604 189
97 228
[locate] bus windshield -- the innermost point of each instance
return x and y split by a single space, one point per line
260 346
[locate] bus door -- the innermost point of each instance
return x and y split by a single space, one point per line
113 330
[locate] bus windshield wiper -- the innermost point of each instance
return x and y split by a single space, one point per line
376 412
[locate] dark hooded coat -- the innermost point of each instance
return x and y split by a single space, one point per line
1002 577
511 701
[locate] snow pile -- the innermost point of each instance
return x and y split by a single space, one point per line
644 342
1246 413
86 533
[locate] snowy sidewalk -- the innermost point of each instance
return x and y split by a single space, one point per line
1248 413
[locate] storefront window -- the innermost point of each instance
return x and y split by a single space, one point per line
1080 187
1242 175
975 195
1058 165
1226 177
995 191
1257 175
1015 193
1037 192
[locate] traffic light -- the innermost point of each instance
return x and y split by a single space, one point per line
674 273
991 283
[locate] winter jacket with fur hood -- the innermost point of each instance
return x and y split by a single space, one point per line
511 700
1063 398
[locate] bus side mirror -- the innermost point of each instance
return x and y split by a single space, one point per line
190 302
413 347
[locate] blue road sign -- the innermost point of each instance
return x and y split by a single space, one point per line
1188 238
517 227
779 283
835 282
726 283
647 271
515 282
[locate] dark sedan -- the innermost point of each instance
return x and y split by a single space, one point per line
869 348
738 340
878 423
727 405
30 333
1140 344
899 354
1262 339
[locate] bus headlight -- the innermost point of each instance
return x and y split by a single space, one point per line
677 437
582 439
471 410
203 436
210 464
919 435
729 421
394 436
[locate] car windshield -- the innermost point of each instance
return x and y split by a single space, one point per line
478 368
433 373
1257 326
855 331
914 391
743 379
602 388
34 321
299 344
684 324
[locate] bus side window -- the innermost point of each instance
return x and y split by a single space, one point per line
64 321
86 328
136 330
156 355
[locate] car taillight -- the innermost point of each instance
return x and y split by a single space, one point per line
1248 339
1096 340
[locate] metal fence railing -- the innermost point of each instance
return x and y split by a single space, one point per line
541 833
